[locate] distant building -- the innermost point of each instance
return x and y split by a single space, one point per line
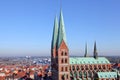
78 68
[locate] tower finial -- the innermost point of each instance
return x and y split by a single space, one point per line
95 51
86 55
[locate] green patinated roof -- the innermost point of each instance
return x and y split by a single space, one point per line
61 31
55 33
88 60
107 74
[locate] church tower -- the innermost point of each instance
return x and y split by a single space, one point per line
59 54
54 49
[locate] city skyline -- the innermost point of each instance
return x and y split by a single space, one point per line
26 26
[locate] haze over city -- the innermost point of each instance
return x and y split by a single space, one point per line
26 26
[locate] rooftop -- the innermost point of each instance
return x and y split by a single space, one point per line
107 74
89 60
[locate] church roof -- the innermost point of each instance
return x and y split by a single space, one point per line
61 31
88 60
107 74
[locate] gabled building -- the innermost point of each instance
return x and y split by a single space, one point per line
76 68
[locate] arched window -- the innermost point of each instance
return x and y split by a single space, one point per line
70 68
77 67
65 60
65 53
63 77
99 66
67 76
91 67
82 67
73 68
66 69
62 53
103 66
62 61
95 67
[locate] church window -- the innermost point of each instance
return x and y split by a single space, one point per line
62 53
65 60
65 53
67 76
66 69
77 67
63 77
82 67
73 68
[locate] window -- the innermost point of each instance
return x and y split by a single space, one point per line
62 61
73 68
70 68
62 53
82 67
66 69
67 76
95 67
65 53
90 67
61 68
63 77
65 60
77 67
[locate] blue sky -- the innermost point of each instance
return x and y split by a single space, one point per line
26 26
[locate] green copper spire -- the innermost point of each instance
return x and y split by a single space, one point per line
95 51
86 55
61 31
55 33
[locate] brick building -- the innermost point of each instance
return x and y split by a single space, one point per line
76 68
